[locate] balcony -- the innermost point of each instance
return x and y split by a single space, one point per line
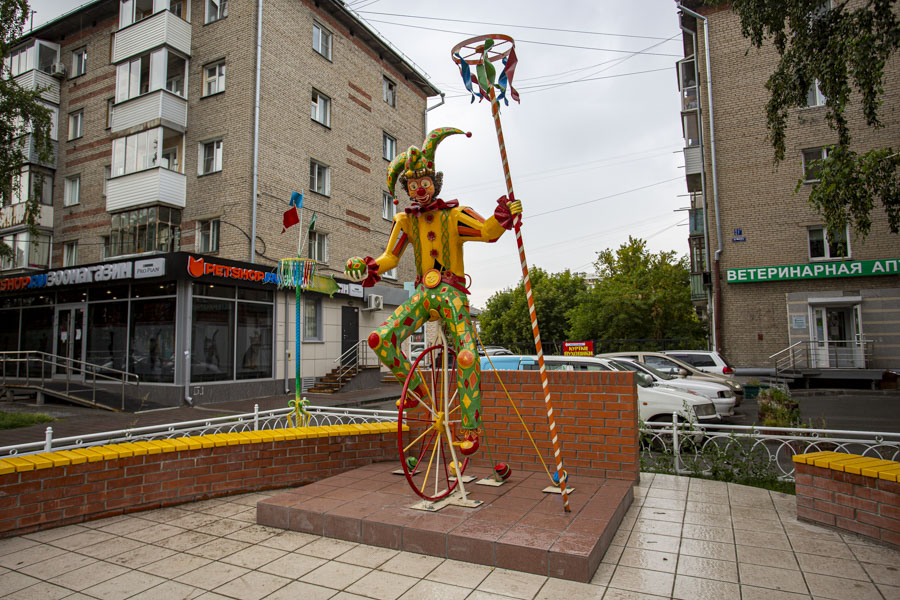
31 154
14 216
38 80
151 186
693 160
162 107
697 221
698 287
163 28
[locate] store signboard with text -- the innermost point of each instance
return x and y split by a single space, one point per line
848 268
578 348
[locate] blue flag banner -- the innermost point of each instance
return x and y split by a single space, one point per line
466 73
297 199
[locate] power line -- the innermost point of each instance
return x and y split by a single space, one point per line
646 37
643 187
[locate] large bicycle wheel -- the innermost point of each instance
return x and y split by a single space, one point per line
426 452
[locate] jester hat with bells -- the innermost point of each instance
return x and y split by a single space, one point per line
416 163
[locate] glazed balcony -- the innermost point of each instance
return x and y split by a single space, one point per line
14 216
150 186
36 79
162 107
162 29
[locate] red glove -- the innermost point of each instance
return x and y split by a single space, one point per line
503 214
373 277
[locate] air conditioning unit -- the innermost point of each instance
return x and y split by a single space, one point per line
58 70
374 302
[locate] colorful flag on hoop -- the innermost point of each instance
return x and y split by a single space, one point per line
291 217
506 77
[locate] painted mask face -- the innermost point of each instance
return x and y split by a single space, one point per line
421 190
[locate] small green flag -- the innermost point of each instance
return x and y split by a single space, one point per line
312 223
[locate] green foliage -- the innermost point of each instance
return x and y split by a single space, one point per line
639 295
846 50
21 111
16 420
505 319
778 409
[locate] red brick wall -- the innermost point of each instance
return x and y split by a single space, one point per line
862 505
40 499
596 420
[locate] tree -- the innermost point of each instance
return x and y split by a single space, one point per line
21 112
505 319
842 50
639 295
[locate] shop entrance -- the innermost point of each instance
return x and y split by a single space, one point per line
349 334
837 337
70 339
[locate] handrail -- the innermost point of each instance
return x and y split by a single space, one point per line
70 365
794 345
361 360
824 354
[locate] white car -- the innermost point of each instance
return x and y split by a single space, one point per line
704 360
655 403
721 395
673 366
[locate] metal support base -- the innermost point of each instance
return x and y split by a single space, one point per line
490 481
465 478
454 499
552 489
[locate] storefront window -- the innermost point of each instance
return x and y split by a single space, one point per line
38 335
145 290
254 340
9 331
108 292
212 340
107 334
152 355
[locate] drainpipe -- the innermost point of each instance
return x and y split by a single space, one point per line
717 288
255 196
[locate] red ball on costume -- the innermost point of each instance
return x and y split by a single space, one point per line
503 471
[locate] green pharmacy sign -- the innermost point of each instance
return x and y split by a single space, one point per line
850 268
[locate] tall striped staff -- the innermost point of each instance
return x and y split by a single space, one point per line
481 52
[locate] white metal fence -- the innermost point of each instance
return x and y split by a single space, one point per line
756 452
255 421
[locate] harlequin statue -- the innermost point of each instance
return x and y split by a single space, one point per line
436 230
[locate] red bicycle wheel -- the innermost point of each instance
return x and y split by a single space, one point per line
425 432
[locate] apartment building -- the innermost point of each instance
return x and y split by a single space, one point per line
161 218
763 269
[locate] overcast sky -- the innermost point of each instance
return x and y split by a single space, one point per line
611 144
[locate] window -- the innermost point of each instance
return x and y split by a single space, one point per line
70 254
135 152
79 62
25 185
391 274
216 9
156 70
388 146
388 208
322 40
76 124
319 178
214 78
312 318
691 129
46 182
208 235
27 251
812 158
73 191
389 91
321 108
318 246
211 157
132 11
150 229
19 61
814 96
821 247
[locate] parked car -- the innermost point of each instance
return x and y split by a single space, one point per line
720 394
673 366
655 403
707 361
494 351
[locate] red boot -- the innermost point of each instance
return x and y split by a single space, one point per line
469 444
410 402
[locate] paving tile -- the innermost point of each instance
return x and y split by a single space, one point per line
613 594
889 592
367 556
878 555
212 575
458 573
289 540
225 509
749 592
29 556
124 585
335 575
57 566
767 557
382 585
666 503
413 565
252 586
838 567
254 534
104 550
603 574
662 514
193 521
139 557
651 541
646 582
707 568
746 512
222 527
82 540
698 518
695 588
254 557
165 515
657 527
185 541
175 565
49 535
883 574
299 590
669 494
837 588
170 590
327 548
705 549
757 525
786 580
776 541
649 559
13 582
218 548
708 533
708 508
155 534
613 553
88 576
16 544
293 565
435 590
512 583
554 589
810 545
40 591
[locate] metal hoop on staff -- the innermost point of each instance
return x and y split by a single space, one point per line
481 51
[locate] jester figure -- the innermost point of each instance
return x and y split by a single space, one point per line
436 230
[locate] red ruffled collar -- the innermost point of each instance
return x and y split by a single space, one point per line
436 204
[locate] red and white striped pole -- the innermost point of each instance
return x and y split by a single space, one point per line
517 221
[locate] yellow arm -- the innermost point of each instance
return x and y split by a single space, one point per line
397 243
